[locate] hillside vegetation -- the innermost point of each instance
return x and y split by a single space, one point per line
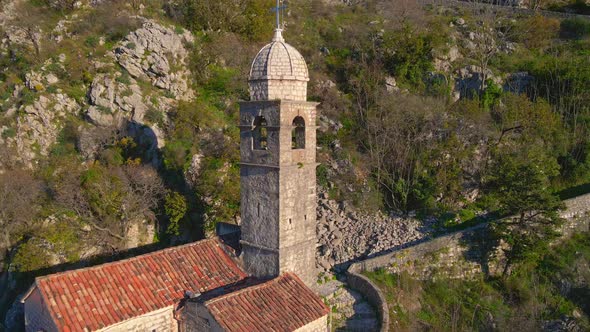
118 118
549 294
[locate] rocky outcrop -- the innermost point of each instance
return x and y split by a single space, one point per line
39 125
443 61
14 34
155 54
194 170
346 235
112 101
158 54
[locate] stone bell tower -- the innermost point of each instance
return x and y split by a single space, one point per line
278 166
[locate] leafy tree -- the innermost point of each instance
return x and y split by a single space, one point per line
248 17
176 208
408 56
110 198
521 186
491 95
524 162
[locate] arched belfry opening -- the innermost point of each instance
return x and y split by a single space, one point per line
260 134
298 134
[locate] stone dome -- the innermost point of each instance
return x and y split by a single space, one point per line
278 72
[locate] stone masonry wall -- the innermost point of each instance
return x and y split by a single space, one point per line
318 325
161 320
464 253
372 293
278 89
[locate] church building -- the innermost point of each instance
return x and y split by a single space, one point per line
207 285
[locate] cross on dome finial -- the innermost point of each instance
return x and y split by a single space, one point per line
278 9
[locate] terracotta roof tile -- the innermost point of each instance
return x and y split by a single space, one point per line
107 294
263 307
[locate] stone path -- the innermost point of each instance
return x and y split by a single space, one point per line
350 311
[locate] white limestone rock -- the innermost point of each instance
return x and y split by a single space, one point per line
391 84
194 170
101 117
39 125
158 54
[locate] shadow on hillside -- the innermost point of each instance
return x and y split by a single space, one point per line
342 267
25 279
480 246
14 283
574 191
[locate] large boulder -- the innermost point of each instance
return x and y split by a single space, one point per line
470 80
113 100
519 82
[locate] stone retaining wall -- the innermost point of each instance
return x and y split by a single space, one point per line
467 252
457 255
372 293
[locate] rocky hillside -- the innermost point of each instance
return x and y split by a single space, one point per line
118 121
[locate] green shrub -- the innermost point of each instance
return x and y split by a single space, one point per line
408 56
322 176
576 28
154 116
177 154
77 92
63 235
31 256
27 97
58 70
124 78
176 207
9 133
91 41
467 215
491 95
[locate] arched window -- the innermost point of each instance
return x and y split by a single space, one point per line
298 133
260 134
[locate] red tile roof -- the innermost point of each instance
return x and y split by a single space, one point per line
281 304
100 296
